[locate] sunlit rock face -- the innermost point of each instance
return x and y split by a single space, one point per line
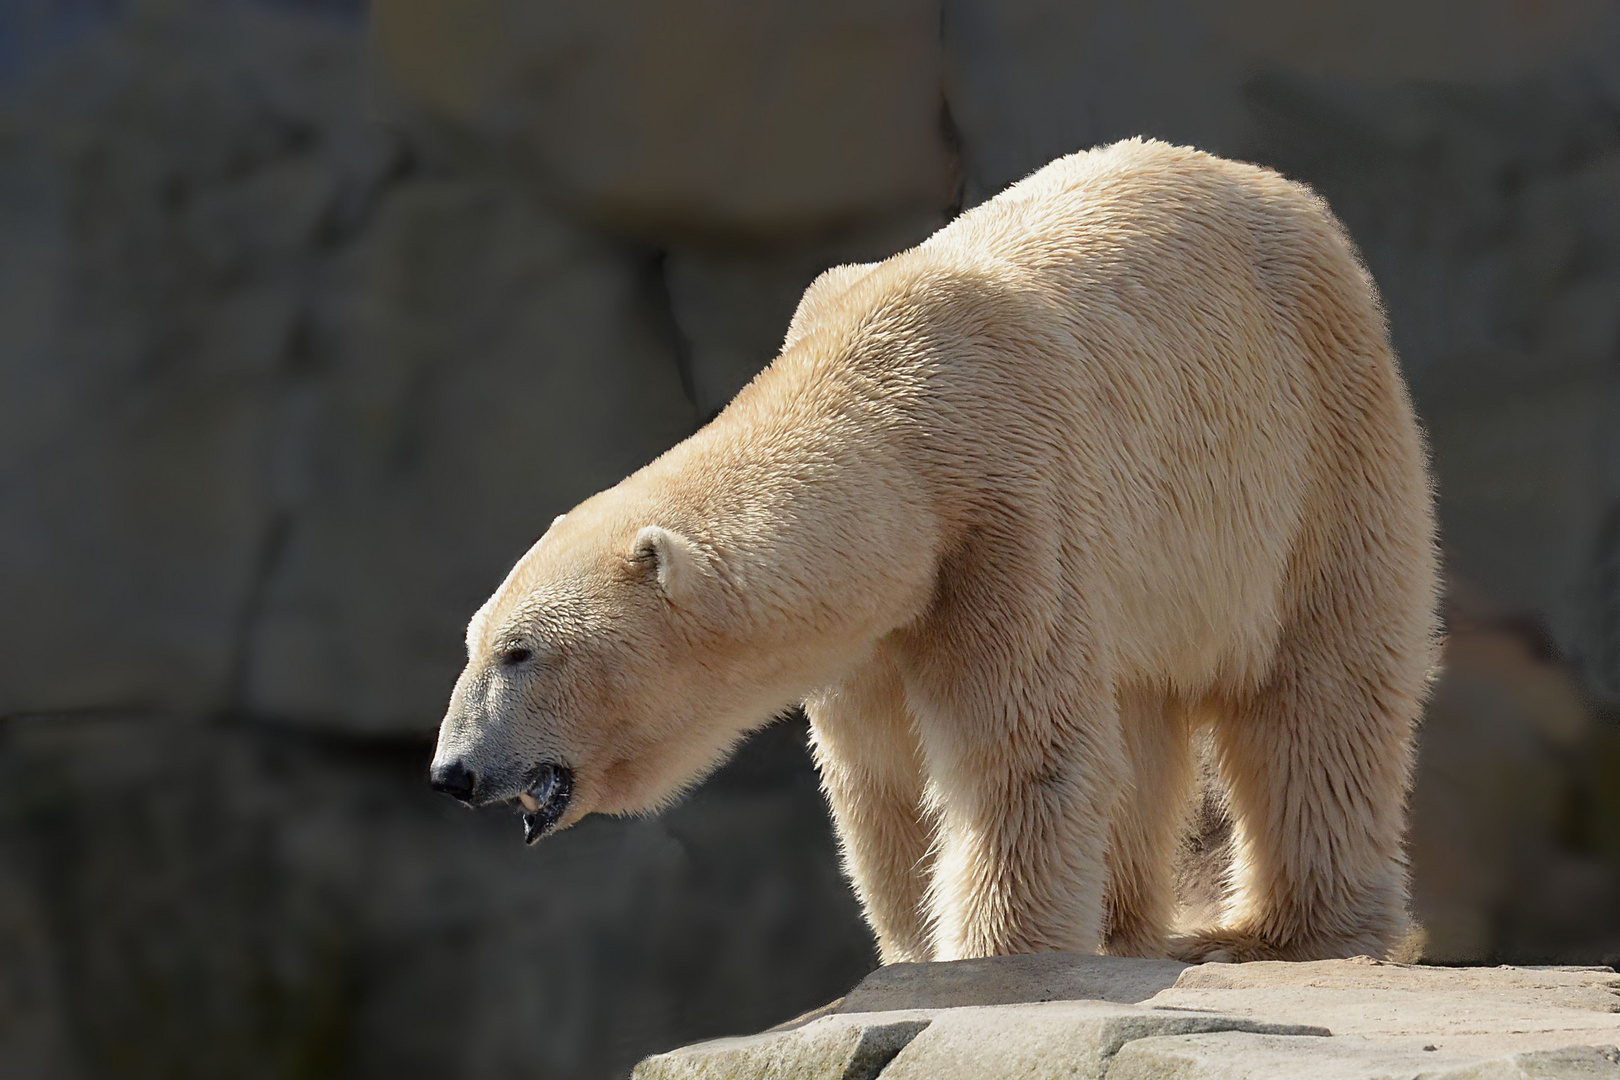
1059 1014
660 119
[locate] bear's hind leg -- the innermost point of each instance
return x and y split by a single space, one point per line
1148 824
865 746
1317 763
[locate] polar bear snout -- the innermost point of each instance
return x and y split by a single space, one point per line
454 779
543 794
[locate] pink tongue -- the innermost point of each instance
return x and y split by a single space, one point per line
528 802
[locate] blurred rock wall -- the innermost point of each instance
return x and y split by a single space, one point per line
310 323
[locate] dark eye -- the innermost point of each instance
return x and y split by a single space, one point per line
516 655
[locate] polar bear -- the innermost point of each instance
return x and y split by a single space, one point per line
1119 456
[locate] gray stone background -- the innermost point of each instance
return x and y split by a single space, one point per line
311 318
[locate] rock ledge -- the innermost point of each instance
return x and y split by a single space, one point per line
1064 1015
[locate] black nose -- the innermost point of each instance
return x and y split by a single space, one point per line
454 780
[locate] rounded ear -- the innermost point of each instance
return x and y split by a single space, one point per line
674 559
554 523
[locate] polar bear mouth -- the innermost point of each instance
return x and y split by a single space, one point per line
545 800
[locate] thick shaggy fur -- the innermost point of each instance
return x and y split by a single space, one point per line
1120 455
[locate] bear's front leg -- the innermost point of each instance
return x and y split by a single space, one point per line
1024 785
865 745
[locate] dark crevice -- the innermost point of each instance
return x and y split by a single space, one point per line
669 325
272 546
1602 647
952 137
299 355
347 218
879 1045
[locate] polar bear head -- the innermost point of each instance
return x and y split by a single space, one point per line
602 676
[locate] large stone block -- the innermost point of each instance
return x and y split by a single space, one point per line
1495 802
276 413
668 119
169 194
1005 980
1239 1056
1471 1012
1073 1039
178 900
831 1048
1029 80
1357 1019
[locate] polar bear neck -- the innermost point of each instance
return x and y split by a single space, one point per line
807 493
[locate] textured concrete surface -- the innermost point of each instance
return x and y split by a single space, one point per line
1068 1038
1072 1038
1477 1011
830 1048
1357 1019
1008 979
1240 1056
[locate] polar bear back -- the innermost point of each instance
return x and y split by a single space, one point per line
1169 375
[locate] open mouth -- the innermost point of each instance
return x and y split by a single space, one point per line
545 800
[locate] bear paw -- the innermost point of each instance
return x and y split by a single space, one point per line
1220 946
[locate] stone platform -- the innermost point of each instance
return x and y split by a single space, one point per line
1095 1017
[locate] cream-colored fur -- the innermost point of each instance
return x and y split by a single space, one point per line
1117 456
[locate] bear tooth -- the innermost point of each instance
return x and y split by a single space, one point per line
529 802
